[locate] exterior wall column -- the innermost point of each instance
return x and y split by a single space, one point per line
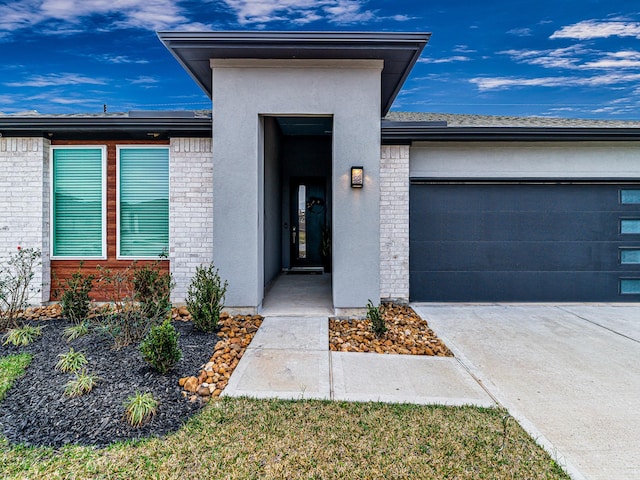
394 223
190 210
24 203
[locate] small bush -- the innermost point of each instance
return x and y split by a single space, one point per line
160 347
81 384
71 361
75 299
139 408
205 298
76 331
152 290
377 320
124 321
16 275
21 337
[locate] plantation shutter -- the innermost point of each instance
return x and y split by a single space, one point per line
144 202
77 202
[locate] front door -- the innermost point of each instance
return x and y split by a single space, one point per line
308 220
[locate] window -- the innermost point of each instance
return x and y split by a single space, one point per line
630 196
630 226
78 202
629 256
630 286
143 202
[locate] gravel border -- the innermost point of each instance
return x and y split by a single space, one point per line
36 413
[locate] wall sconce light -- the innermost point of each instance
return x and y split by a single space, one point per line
357 177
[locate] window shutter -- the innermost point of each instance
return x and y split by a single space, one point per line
144 202
77 202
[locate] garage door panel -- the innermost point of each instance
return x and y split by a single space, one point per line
516 256
514 226
524 242
514 286
445 198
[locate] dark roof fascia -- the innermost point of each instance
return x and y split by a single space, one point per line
280 45
70 127
408 132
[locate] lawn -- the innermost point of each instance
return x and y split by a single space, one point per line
244 438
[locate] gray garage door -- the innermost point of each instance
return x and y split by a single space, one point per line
524 242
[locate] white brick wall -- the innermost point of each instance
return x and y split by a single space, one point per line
24 202
394 223
190 210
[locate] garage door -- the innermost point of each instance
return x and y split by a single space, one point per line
490 242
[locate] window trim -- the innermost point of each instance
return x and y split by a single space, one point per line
620 190
621 250
622 219
103 153
128 147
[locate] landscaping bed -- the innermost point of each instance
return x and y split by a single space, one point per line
36 412
407 334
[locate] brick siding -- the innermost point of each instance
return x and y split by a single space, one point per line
394 223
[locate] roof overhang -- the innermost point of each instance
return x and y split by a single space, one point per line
104 127
409 132
399 51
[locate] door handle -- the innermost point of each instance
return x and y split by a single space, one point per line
293 235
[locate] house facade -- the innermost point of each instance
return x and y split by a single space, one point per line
300 167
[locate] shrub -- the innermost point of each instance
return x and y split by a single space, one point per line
21 337
152 290
71 361
139 408
16 275
160 347
377 320
76 331
205 298
75 299
82 383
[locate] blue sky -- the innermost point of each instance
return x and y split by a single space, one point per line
566 58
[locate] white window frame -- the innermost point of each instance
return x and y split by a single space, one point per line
129 147
103 150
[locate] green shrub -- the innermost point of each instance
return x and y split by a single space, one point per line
82 383
377 320
125 321
76 331
71 361
15 285
21 337
205 298
160 347
75 299
152 290
139 408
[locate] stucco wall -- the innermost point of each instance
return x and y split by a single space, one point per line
394 223
349 91
525 159
24 203
190 210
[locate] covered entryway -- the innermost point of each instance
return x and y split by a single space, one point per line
524 241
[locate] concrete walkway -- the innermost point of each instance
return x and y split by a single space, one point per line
569 373
289 358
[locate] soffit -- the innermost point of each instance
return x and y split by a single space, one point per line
399 51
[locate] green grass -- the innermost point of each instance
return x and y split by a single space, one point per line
71 361
82 383
11 368
273 439
21 337
139 408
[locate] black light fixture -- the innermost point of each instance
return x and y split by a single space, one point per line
357 177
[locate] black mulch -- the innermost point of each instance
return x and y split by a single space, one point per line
36 413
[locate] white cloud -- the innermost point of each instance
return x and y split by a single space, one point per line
521 32
123 59
56 79
569 57
64 17
261 12
501 83
144 80
589 29
463 49
455 58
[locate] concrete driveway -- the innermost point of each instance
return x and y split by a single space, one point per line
569 373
